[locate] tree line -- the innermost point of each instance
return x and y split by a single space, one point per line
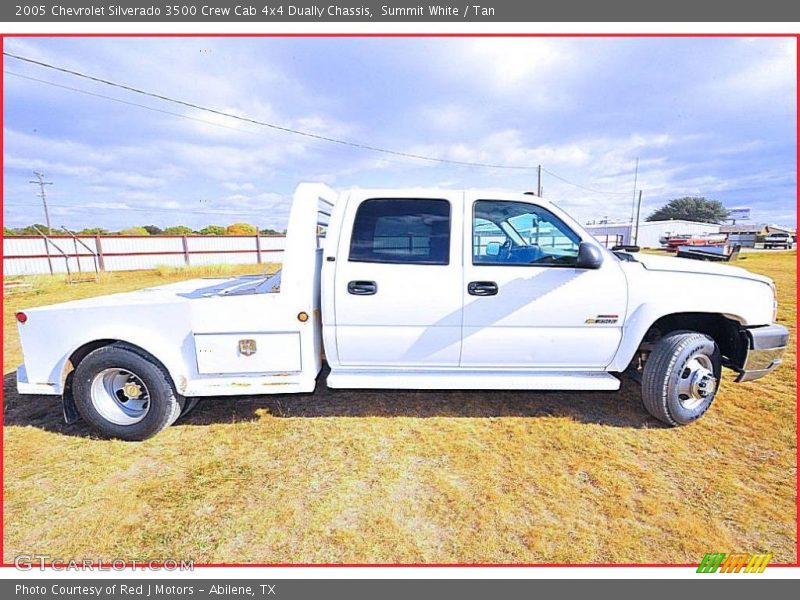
233 229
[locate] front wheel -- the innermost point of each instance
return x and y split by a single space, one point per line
681 377
123 394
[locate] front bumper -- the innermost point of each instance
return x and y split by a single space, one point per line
764 352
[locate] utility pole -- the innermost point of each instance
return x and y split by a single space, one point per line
539 182
41 182
635 183
638 212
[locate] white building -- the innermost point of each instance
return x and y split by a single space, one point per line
650 232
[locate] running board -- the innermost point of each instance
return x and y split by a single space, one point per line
472 380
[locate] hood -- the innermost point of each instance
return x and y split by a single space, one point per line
181 291
685 265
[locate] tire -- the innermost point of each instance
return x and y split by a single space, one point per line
681 377
122 394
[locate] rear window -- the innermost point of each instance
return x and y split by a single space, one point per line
412 231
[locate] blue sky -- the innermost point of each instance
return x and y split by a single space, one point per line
711 117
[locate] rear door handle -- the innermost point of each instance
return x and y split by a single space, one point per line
362 288
482 288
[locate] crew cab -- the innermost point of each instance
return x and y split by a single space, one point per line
410 288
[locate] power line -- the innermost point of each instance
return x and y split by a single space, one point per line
151 108
274 126
262 123
128 102
583 187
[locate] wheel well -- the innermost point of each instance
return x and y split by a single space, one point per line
727 333
80 353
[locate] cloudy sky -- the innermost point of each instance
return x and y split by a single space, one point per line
710 117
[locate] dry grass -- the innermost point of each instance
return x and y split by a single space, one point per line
359 476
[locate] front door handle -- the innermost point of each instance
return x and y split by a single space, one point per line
482 288
362 288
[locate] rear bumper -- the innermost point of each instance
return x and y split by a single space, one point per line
26 387
764 353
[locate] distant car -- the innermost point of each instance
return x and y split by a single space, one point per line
778 240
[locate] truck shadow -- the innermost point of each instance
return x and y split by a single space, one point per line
622 408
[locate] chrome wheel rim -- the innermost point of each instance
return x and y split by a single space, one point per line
697 382
121 397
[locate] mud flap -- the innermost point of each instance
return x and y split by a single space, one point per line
633 373
68 403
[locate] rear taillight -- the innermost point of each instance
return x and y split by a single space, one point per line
22 317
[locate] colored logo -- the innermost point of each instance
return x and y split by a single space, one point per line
734 563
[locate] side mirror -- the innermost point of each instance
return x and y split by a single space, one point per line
493 249
589 256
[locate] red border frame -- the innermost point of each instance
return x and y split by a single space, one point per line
439 35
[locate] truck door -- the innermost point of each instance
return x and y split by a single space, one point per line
525 302
398 281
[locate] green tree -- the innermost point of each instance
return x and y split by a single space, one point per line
134 231
153 229
240 229
691 208
94 231
178 230
29 230
213 230
267 231
9 231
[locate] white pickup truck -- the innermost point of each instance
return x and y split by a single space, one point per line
410 288
778 239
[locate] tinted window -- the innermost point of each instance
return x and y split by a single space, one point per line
518 233
407 231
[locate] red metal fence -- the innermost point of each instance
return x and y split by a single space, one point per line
28 255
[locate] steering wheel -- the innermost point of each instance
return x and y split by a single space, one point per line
505 250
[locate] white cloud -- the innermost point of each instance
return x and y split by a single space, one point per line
450 118
767 74
513 63
600 156
238 187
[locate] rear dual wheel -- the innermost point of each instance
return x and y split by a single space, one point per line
123 394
